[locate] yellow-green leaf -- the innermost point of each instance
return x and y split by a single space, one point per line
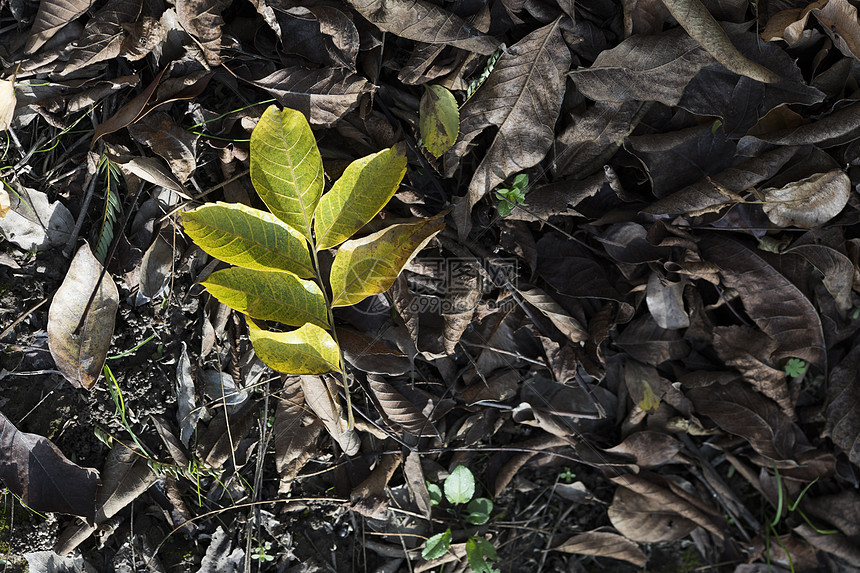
249 238
360 193
439 119
368 266
269 295
307 350
286 167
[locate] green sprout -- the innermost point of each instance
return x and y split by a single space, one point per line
795 367
516 195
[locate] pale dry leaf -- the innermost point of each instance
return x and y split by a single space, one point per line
810 202
604 544
321 396
81 353
562 320
694 17
33 222
7 103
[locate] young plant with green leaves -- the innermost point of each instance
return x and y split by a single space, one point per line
516 195
277 274
460 490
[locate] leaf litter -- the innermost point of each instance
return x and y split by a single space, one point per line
663 329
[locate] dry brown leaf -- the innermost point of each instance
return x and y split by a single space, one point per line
604 544
425 22
778 307
53 15
294 439
522 97
80 354
839 20
646 519
321 397
810 202
666 303
202 19
843 402
694 17
398 409
643 68
369 498
323 95
104 35
568 325
649 449
176 145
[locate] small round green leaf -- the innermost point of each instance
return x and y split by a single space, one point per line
435 493
479 510
437 546
460 485
439 119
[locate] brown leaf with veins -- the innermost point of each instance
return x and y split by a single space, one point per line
644 68
104 35
647 519
748 351
522 97
80 354
777 306
843 403
425 22
694 17
176 145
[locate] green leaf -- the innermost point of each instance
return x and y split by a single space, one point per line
249 238
269 295
479 510
307 350
437 546
286 167
460 485
368 266
435 494
795 367
362 191
439 119
478 550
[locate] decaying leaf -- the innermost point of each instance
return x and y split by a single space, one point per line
202 19
522 97
810 202
176 145
439 119
7 102
79 347
398 409
33 222
694 17
35 470
53 15
604 544
643 68
293 436
321 397
425 22
843 399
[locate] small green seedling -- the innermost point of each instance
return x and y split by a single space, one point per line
567 476
459 490
261 554
516 195
795 367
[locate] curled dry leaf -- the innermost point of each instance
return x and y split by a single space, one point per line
176 145
35 470
33 222
425 22
294 439
568 325
810 202
399 410
202 19
81 353
7 103
104 35
321 396
694 17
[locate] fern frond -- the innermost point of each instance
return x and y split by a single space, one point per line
112 207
